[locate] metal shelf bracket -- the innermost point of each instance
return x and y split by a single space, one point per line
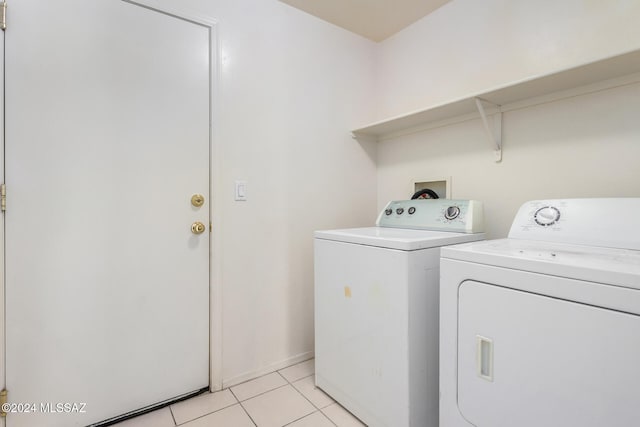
493 132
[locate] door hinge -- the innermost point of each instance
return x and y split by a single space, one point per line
3 197
3 401
3 15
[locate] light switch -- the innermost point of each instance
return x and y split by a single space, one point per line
241 190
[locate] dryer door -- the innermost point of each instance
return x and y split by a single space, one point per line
528 360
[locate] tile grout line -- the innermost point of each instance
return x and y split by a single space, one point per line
282 376
209 413
298 419
261 393
243 408
327 416
256 378
238 401
248 414
175 423
305 397
299 363
312 404
288 383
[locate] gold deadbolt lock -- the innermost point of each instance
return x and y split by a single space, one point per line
197 227
197 200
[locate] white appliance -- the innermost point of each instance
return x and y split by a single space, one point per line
376 309
543 328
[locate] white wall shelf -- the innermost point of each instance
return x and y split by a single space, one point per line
599 75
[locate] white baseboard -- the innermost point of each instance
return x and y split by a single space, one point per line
230 382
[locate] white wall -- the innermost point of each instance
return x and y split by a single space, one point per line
290 88
585 146
468 46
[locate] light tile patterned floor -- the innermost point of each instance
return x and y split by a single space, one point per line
287 397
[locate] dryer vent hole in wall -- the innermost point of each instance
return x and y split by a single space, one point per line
425 193
431 188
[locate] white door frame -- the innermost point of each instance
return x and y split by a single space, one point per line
3 376
215 259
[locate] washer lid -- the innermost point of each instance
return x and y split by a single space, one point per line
397 238
619 267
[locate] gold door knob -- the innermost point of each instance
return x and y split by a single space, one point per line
197 200
197 227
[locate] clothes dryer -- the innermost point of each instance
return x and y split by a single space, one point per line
542 328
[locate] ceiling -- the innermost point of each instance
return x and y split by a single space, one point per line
373 19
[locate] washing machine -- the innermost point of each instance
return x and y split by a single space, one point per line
376 309
543 328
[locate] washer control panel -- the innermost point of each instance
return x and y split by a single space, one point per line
465 216
580 221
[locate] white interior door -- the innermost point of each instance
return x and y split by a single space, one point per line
107 139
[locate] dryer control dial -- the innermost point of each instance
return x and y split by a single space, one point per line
547 216
452 212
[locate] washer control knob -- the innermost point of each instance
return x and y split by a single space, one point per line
452 212
411 210
546 216
388 211
399 211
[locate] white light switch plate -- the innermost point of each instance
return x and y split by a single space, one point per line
241 191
